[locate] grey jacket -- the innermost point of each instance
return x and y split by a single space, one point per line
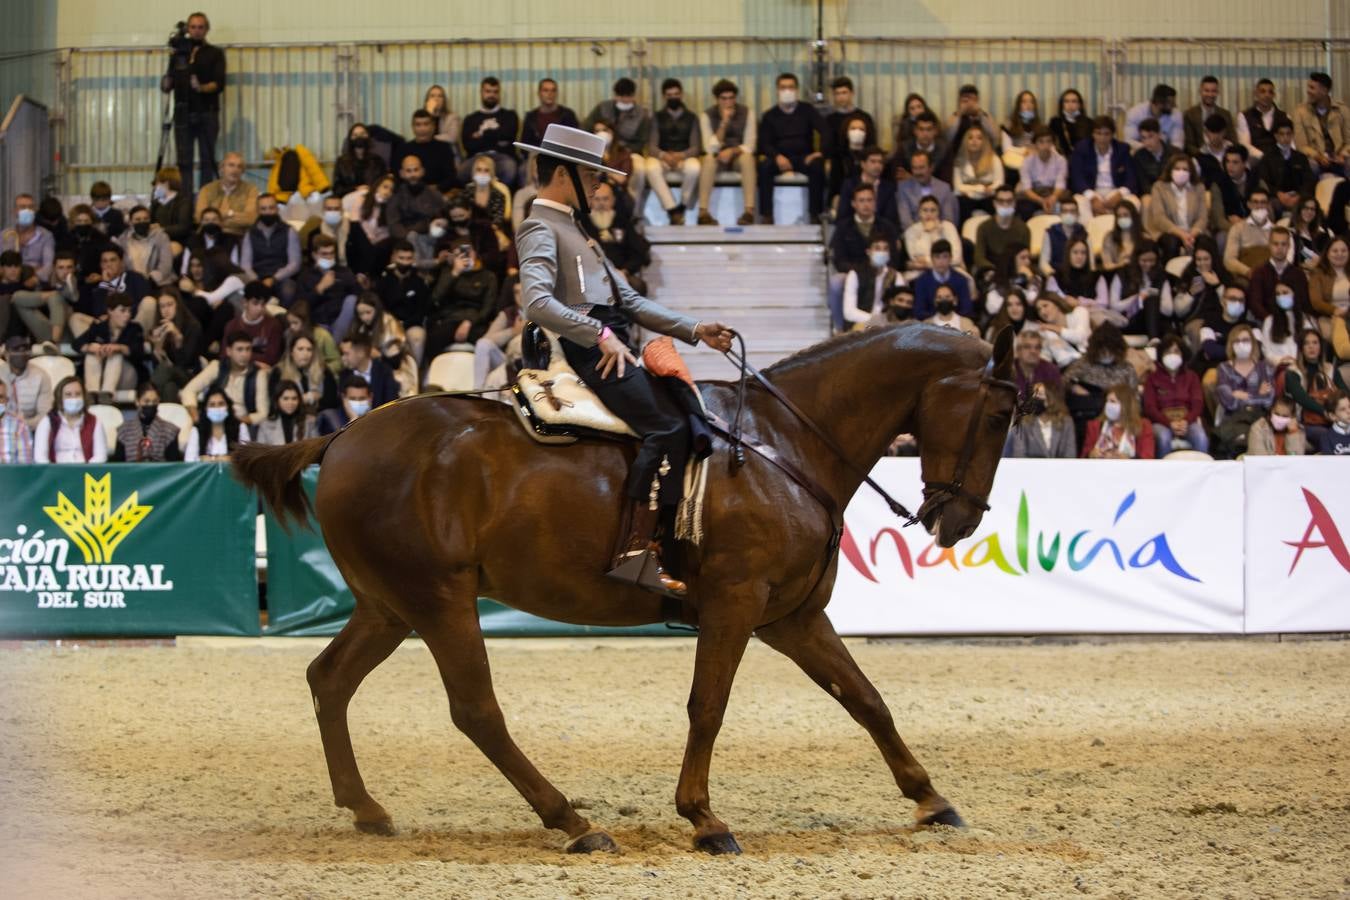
563 274
158 254
1026 441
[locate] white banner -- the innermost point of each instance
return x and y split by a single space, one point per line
1298 523
1069 546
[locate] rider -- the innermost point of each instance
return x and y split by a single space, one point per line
568 288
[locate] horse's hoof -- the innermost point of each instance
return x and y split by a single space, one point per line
592 842
946 816
718 844
382 827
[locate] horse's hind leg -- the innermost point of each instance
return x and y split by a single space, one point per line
813 644
366 641
456 642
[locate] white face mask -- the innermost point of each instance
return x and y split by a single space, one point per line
1112 410
161 193
1068 219
1172 361
437 231
482 179
623 105
1259 216
217 414
72 406
1278 422
1004 212
787 97
1027 115
1242 350
1284 301
332 217
27 217
1125 223
1071 115
608 138
1235 308
1181 177
880 258
358 407
324 264
856 136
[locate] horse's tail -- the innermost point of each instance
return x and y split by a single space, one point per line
274 472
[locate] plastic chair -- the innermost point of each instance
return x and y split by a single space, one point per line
1038 226
972 225
1098 227
56 367
1188 456
1177 265
111 418
451 371
1325 188
177 414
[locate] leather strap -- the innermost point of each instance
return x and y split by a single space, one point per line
770 455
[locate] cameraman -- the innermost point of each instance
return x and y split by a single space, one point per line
196 77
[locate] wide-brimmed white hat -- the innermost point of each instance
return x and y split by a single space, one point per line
573 145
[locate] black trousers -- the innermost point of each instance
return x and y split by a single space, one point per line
648 410
815 177
199 130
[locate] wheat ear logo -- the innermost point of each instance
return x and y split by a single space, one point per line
97 529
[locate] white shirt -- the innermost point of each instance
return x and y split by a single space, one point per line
215 446
1105 182
1183 204
68 446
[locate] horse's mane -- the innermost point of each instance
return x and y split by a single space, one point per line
827 349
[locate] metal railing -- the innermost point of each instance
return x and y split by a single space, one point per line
108 109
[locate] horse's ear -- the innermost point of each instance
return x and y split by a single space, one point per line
1003 353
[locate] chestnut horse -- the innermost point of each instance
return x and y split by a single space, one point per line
429 503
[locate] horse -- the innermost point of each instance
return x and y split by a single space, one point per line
430 502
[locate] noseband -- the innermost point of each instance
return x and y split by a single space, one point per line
936 493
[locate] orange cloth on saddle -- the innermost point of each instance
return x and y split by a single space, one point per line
661 358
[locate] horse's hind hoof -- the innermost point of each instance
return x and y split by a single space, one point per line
718 844
947 816
382 827
592 842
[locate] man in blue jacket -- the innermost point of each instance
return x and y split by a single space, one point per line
792 139
926 285
1101 172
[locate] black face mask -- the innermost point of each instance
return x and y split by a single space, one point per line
360 143
945 307
674 104
148 413
83 232
402 270
414 187
211 230
1036 406
269 219
142 229
902 313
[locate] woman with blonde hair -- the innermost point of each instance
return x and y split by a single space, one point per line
1119 432
976 173
447 123
303 366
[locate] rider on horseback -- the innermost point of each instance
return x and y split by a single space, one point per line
568 288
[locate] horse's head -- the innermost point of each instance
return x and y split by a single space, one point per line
961 424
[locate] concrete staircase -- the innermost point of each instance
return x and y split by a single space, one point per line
767 282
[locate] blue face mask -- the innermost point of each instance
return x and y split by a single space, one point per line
72 406
358 407
217 414
26 217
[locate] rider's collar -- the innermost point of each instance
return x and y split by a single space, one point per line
553 204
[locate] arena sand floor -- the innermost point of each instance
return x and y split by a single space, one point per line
1125 769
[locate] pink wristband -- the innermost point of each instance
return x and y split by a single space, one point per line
604 333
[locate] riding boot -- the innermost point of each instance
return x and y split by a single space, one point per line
637 560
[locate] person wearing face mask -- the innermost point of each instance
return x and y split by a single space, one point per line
1178 209
673 146
1335 440
1118 247
170 208
1244 390
16 438
1277 270
1285 171
270 251
329 288
1057 237
358 165
107 218
849 244
489 200
946 313
34 243
1071 124
1310 382
218 431
899 307
865 286
1046 432
1219 313
1276 433
1248 245
146 249
147 437
1102 366
356 402
792 139
69 434
1280 329
1019 135
998 234
332 221
630 125
30 390
491 129
1119 432
406 296
1322 127
1174 400
941 272
850 130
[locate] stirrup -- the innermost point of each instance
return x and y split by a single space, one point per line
643 569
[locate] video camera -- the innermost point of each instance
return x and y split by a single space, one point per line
179 43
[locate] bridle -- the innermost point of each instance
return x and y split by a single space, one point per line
936 493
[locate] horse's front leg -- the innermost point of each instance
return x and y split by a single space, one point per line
809 640
725 625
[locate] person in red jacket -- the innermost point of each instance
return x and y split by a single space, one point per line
1174 401
1118 433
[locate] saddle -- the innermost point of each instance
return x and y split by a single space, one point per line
551 400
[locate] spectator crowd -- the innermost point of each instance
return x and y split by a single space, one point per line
1181 283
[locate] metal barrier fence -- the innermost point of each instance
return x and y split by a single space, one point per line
108 109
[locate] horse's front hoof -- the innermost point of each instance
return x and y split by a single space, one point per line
592 842
382 827
946 816
718 844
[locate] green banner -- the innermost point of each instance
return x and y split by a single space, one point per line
146 549
306 595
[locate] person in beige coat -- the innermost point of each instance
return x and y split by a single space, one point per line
1178 211
1327 147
